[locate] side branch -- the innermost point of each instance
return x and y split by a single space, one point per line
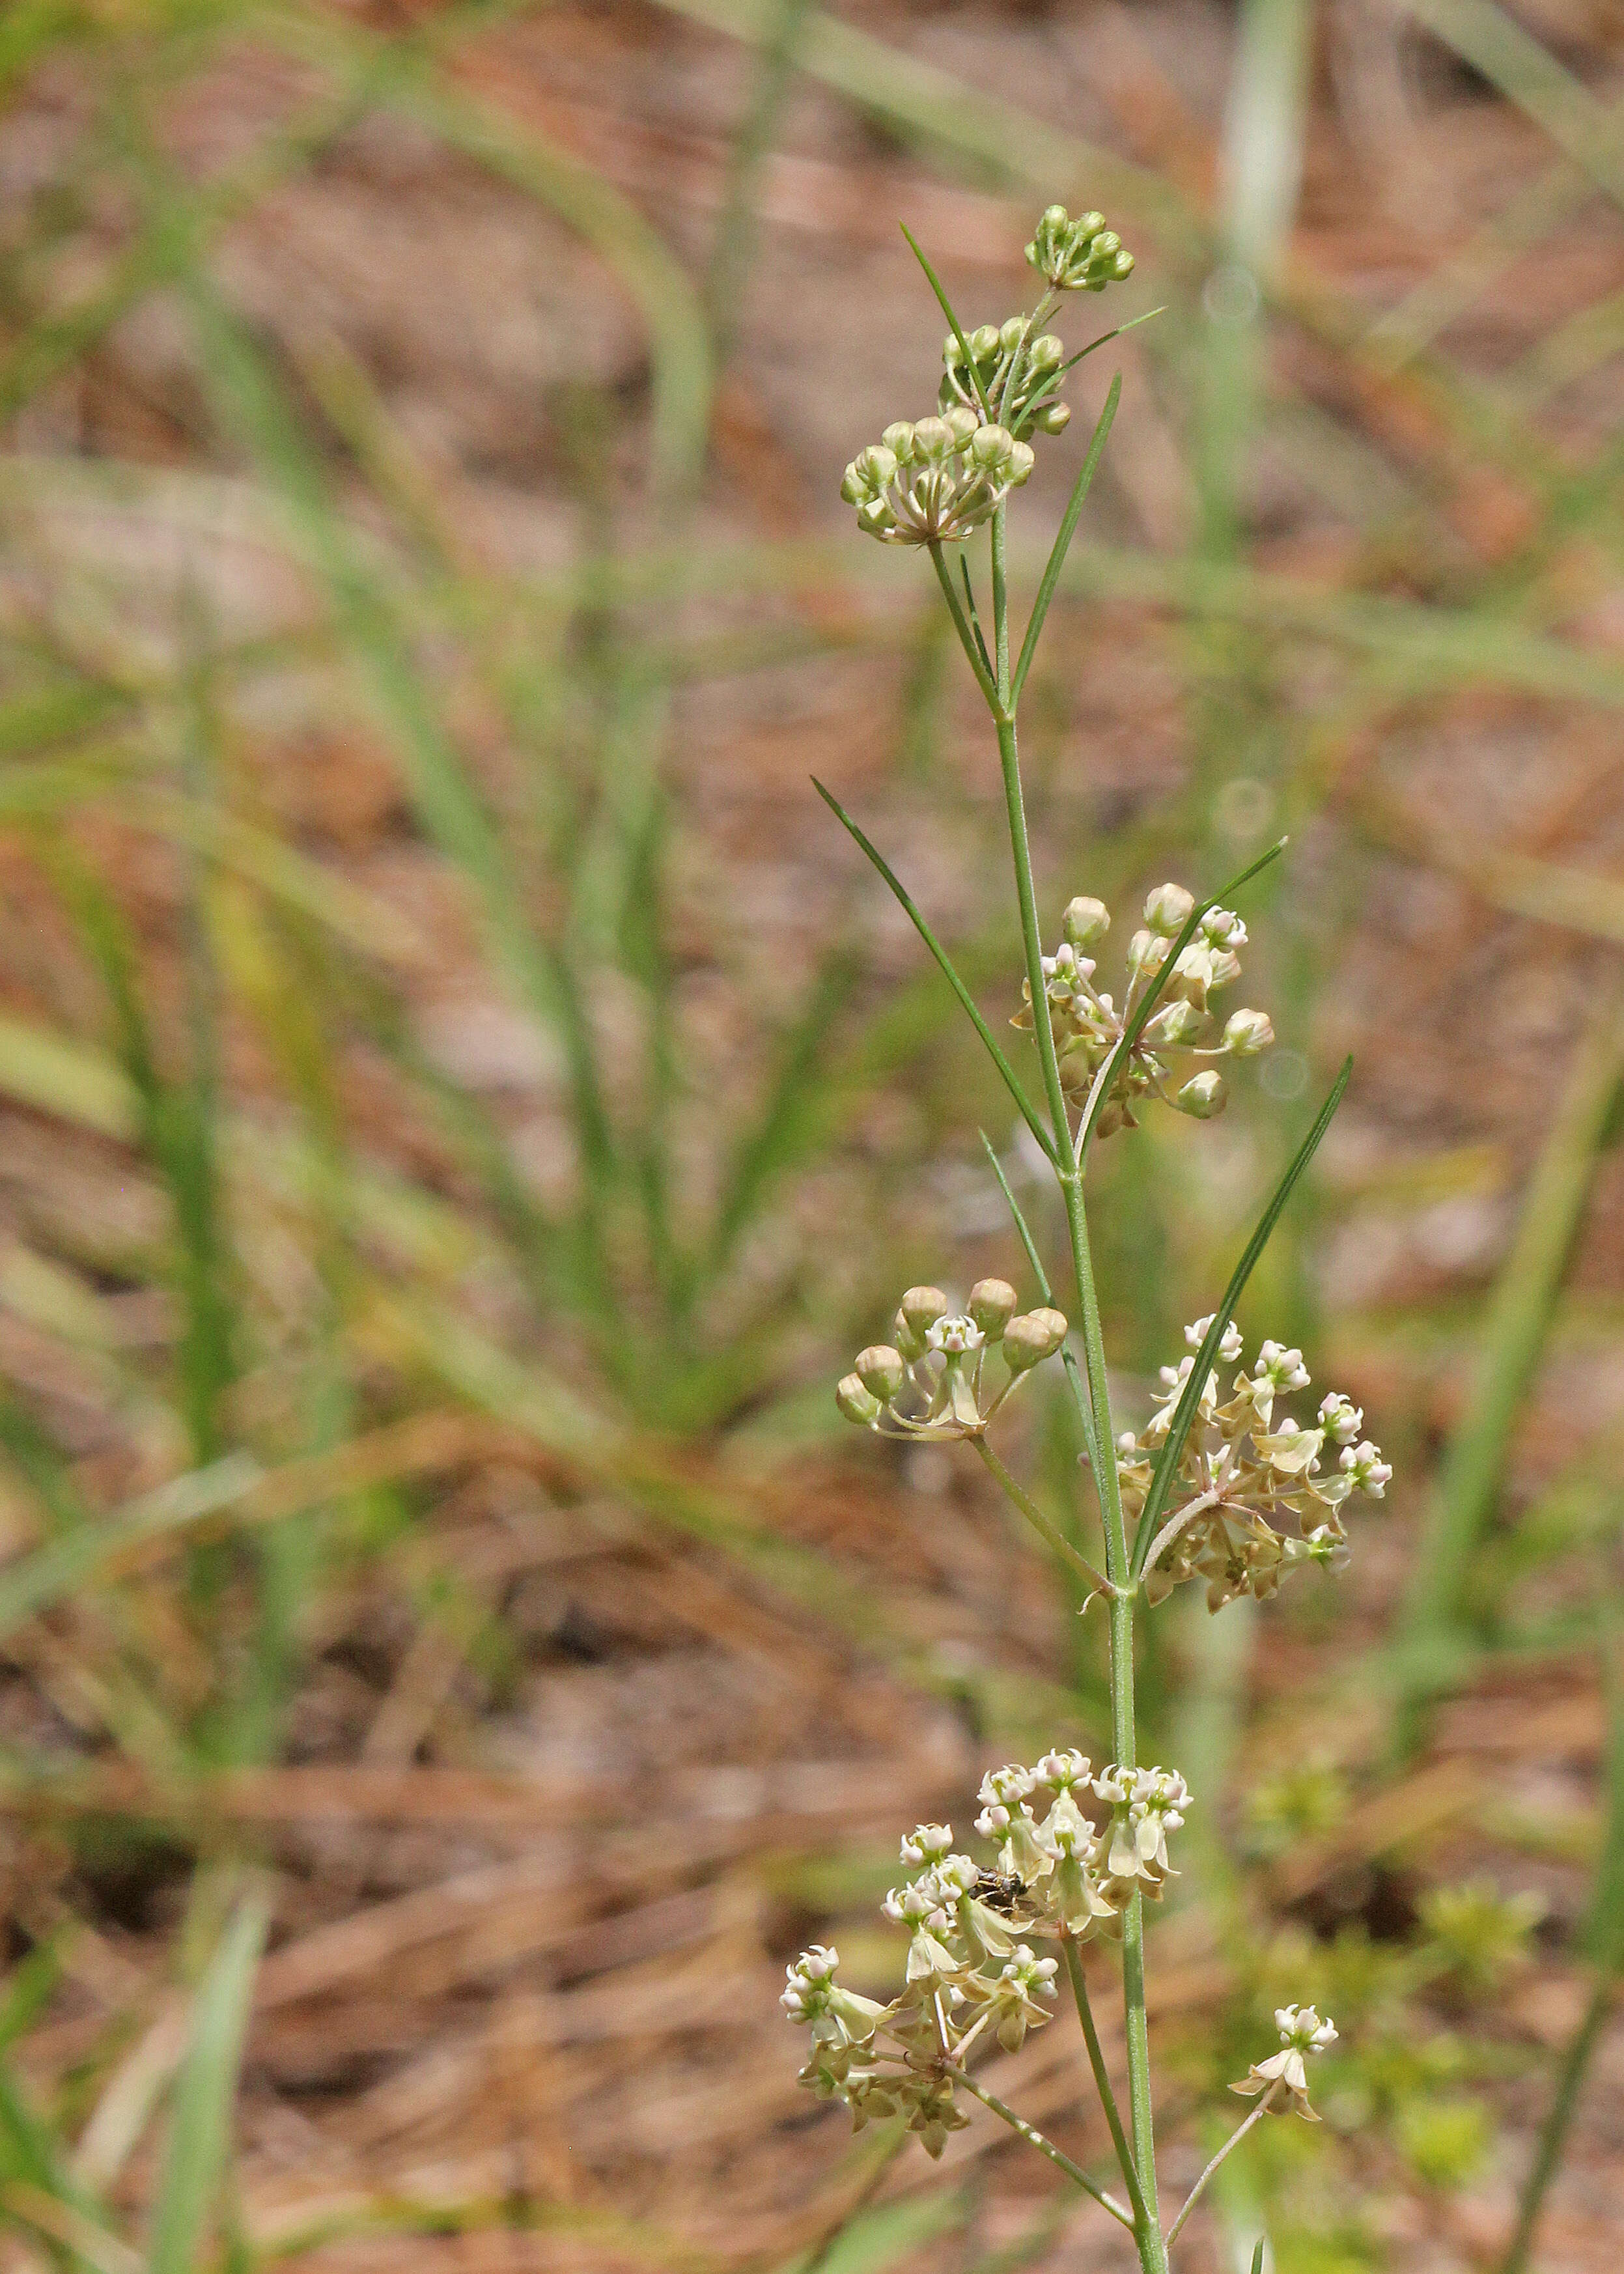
1229 2145
1119 2211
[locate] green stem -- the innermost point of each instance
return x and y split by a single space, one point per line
1102 2080
1034 2138
1153 2251
1553 2134
1046 1531
1229 2146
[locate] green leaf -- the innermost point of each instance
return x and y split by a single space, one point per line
1184 1414
967 1000
1063 539
205 2094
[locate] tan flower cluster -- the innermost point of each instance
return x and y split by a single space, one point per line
1245 1474
971 1968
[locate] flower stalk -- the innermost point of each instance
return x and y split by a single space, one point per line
1233 1491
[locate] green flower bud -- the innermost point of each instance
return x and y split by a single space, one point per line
881 1371
963 425
1084 920
1169 908
1023 457
1011 331
934 440
1175 1022
991 449
1032 1337
856 1403
1203 1096
898 438
867 474
1054 418
992 1305
1046 353
1080 255
984 342
1248 1032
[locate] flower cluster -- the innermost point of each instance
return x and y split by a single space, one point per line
1077 256
933 1380
971 1967
1011 376
932 481
1087 1024
1301 2031
1243 1472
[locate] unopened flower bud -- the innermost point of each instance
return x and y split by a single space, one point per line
1175 1022
1032 1337
1084 921
1168 909
1054 418
1046 353
984 342
867 474
1247 1033
856 1401
1011 331
899 440
992 1305
961 424
934 440
1203 1096
881 1371
923 1306
1147 951
991 449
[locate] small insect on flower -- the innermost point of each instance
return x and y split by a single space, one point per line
1002 1892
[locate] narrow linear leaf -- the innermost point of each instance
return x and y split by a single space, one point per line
965 996
1184 1414
1063 539
947 310
205 2094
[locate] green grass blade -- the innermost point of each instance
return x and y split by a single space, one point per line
1528 75
1064 535
1514 1341
1105 1080
967 1000
1184 1414
793 1114
205 2094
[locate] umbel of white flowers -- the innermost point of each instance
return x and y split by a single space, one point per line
1088 1023
1245 1474
934 1379
971 1965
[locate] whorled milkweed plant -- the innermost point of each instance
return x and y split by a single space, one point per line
1222 1484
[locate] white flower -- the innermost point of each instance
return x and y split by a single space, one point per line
1061 1771
1281 1368
955 1335
1369 1471
926 1844
1301 2031
1229 1349
1224 927
811 1995
1340 1417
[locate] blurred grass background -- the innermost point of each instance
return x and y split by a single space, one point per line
464 1101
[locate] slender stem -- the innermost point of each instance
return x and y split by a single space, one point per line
1040 1522
961 625
1152 2252
1119 2211
1102 2080
1553 2132
1229 2146
1000 607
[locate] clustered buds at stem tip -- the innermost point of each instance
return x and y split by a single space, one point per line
933 1379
